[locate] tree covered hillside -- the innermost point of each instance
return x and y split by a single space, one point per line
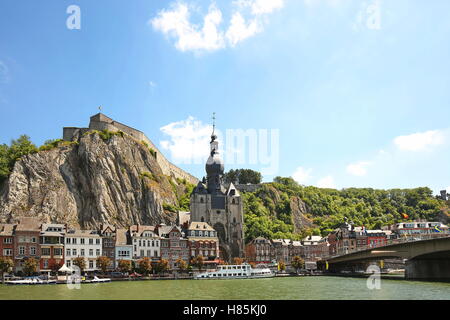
269 211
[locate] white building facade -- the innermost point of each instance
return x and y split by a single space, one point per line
83 243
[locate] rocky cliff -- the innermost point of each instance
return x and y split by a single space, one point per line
99 178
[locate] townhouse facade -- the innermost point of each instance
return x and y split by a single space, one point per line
7 241
26 242
51 240
123 247
86 244
203 241
174 245
146 243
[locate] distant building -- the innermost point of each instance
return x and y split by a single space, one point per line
173 245
86 244
259 250
123 247
146 243
220 207
405 229
7 241
108 234
312 248
26 244
281 250
203 241
52 246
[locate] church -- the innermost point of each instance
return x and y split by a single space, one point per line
220 206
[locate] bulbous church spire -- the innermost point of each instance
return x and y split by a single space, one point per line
214 166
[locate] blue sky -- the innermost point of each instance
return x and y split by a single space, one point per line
359 91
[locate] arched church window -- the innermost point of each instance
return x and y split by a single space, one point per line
203 219
201 200
233 201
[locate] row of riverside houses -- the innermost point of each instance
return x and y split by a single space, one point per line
53 245
344 239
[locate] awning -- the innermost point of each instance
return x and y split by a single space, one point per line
64 268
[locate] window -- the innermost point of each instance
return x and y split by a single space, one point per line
91 252
22 239
91 241
46 263
91 264
142 253
33 240
155 253
149 253
68 252
7 252
97 241
82 252
57 251
67 240
33 251
82 241
124 253
45 251
7 240
97 252
68 263
74 252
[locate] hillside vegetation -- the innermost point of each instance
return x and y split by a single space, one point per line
268 211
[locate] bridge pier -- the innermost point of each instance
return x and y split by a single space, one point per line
427 269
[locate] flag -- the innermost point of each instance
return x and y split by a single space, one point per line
437 229
405 216
326 265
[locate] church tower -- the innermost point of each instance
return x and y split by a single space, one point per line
219 206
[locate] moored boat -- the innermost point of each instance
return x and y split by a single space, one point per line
244 271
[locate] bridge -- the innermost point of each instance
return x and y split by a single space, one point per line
425 259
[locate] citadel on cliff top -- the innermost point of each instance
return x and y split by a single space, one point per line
101 122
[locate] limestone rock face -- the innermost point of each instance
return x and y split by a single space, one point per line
112 180
299 209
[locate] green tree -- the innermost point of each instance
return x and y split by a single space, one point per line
6 265
238 261
80 263
103 263
243 176
124 266
281 265
145 265
198 262
297 263
30 266
162 266
181 264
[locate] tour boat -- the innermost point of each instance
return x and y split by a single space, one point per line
244 271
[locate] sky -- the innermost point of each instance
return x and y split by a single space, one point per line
335 93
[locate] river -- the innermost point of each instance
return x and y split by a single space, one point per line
291 288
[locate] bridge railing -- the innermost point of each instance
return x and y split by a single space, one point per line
409 238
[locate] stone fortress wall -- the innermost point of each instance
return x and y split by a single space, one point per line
101 122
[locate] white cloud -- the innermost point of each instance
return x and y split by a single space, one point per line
448 189
420 141
189 141
175 23
302 175
326 182
239 30
358 169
